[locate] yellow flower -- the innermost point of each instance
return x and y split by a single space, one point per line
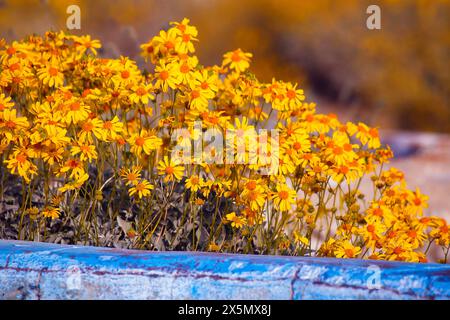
284 197
144 142
84 43
346 249
5 103
20 162
75 166
76 112
254 196
51 212
10 124
113 128
51 76
131 176
166 76
237 222
237 59
418 202
142 189
298 238
141 93
87 151
76 184
170 169
90 128
56 135
194 183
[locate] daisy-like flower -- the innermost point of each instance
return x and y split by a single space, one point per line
237 60
167 76
76 183
113 128
141 93
85 43
91 128
166 42
284 197
254 195
19 161
51 212
293 96
86 151
194 183
10 123
76 112
144 142
236 221
170 169
75 166
141 189
131 176
5 103
346 249
418 202
51 76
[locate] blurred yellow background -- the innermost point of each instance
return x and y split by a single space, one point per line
396 77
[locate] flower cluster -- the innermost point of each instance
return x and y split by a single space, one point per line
64 112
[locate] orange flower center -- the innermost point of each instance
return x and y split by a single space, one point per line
291 94
186 38
169 45
10 51
72 163
10 124
53 72
125 74
164 75
14 66
378 212
337 150
21 158
349 253
297 145
348 147
140 141
131 176
141 91
184 68
236 57
373 133
88 126
85 149
195 94
194 180
107 125
75 106
140 187
251 185
283 194
170 170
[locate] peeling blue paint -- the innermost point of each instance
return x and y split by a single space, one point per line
32 270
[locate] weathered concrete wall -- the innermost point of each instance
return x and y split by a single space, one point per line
46 271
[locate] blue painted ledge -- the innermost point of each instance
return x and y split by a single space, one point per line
32 270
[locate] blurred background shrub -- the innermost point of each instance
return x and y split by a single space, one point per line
396 77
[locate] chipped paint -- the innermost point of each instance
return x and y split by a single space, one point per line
48 271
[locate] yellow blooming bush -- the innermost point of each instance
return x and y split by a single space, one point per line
94 145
